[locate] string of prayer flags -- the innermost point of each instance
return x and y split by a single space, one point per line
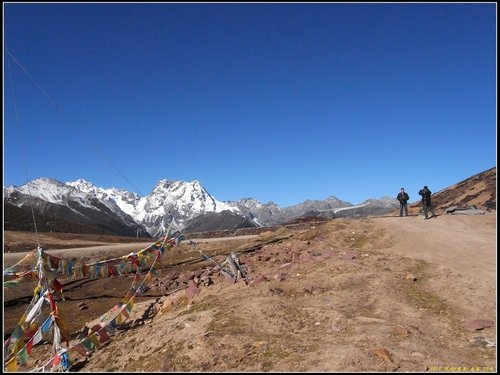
48 269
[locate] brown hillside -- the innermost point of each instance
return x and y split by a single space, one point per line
18 219
478 190
350 295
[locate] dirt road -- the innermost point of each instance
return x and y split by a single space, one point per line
463 248
460 242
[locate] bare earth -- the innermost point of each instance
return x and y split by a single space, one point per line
369 295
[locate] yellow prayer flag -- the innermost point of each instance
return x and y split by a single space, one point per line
11 366
95 340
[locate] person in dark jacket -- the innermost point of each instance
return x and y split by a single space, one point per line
403 198
426 202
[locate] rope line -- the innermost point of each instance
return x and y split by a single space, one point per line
68 120
18 129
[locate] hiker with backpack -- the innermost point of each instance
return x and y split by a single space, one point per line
426 202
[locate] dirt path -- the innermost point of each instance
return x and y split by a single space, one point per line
461 242
461 247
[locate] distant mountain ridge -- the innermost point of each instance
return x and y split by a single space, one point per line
189 207
171 202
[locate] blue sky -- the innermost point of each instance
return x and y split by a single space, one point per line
279 102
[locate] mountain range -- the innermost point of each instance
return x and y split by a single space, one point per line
81 207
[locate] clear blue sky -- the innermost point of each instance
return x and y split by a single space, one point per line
279 102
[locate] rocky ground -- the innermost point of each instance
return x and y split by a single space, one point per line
365 295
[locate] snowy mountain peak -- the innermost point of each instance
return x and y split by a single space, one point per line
82 185
163 184
171 201
49 190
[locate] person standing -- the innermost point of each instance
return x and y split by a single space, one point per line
426 202
403 198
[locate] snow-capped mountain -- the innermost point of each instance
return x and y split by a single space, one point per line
170 202
66 201
176 202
